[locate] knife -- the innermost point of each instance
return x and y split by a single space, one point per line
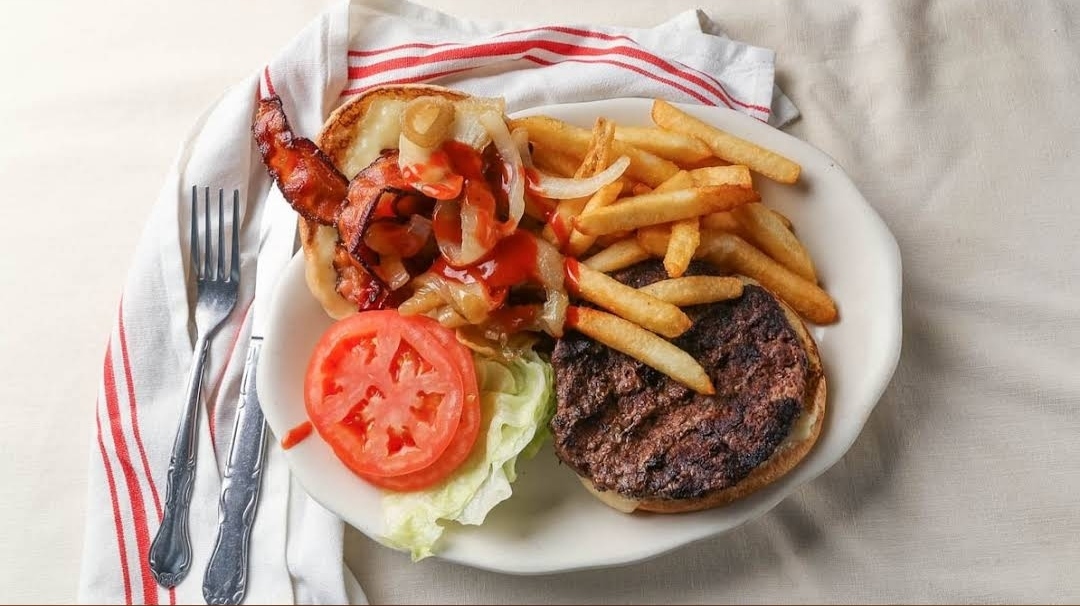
226 577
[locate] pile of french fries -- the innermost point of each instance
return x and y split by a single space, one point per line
688 193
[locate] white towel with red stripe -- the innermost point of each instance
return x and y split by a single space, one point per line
297 545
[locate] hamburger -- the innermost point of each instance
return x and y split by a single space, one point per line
638 439
641 441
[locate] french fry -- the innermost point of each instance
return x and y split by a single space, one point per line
629 303
771 235
637 189
663 207
654 239
707 162
598 154
640 344
555 134
735 174
555 162
695 290
619 255
734 253
783 219
725 145
721 221
560 225
676 147
680 180
607 240
685 237
579 242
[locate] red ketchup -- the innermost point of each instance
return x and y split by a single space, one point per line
296 435
573 275
511 262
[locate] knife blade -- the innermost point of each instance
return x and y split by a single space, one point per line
226 577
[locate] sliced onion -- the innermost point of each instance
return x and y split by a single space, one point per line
392 238
394 272
563 188
550 272
471 248
508 150
448 317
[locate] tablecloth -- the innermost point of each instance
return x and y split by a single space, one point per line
958 121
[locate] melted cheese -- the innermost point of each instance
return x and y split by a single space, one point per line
378 130
611 498
801 429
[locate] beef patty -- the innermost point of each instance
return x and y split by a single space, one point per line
631 429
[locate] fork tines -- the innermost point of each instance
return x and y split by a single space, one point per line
202 264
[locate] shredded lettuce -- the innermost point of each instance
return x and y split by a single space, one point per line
516 400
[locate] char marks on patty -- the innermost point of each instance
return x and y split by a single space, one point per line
631 429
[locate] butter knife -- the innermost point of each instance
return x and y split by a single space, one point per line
226 577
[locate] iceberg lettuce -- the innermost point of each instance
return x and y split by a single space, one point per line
516 400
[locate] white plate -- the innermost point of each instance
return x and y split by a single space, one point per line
551 523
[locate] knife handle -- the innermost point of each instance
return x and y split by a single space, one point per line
226 578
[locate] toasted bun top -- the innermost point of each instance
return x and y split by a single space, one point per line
352 137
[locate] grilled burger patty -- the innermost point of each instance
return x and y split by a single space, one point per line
631 429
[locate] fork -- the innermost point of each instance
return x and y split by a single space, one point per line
170 553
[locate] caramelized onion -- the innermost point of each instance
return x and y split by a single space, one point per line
426 121
508 150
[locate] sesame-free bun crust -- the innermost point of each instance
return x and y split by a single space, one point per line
339 139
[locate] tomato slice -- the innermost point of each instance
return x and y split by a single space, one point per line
385 392
468 428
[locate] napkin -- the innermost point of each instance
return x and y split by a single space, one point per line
296 551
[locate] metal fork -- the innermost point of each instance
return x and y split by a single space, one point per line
170 553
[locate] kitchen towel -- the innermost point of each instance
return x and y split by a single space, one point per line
296 554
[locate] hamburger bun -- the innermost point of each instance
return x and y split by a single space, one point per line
639 441
353 137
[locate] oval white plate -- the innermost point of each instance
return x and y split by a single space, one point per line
551 523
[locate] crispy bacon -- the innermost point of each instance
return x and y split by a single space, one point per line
306 176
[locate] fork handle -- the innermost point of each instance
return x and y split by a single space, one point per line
226 577
170 553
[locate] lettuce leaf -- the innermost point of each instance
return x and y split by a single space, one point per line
516 400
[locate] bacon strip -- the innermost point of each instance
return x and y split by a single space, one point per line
306 176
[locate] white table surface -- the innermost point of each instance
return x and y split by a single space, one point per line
959 121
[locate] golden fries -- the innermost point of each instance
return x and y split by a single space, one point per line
721 221
725 145
619 255
663 207
638 307
685 237
783 219
555 162
640 344
579 242
735 174
654 239
598 154
676 147
695 290
687 194
774 238
680 180
806 298
555 134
